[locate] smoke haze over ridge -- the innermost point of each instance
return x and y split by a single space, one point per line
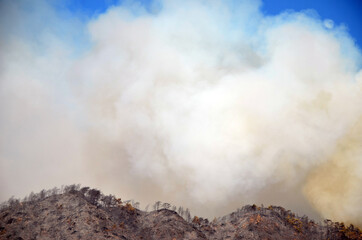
200 103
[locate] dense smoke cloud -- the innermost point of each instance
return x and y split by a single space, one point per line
202 103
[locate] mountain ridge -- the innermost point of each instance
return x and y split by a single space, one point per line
84 213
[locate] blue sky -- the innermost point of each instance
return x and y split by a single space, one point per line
346 12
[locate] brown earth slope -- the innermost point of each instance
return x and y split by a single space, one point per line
85 213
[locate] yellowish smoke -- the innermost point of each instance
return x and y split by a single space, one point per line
335 187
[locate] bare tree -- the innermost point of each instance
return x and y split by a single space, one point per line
32 197
166 205
187 215
70 188
156 206
93 196
136 204
181 211
42 194
3 205
13 202
109 201
84 190
54 191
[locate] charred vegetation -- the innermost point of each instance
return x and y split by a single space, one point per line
72 212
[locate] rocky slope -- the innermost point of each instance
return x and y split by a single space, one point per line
85 213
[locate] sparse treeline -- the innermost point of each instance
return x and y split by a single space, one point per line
158 205
333 230
94 197
183 212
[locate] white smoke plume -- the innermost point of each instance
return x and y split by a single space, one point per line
208 104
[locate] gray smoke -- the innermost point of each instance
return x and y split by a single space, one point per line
202 103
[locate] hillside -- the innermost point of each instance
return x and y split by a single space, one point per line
74 213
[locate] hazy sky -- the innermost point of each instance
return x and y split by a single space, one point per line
205 104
